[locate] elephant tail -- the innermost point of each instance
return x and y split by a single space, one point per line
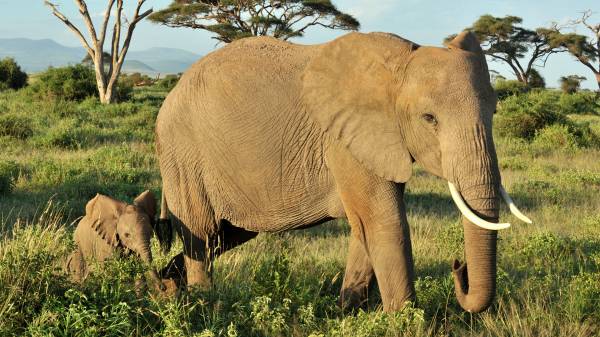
164 227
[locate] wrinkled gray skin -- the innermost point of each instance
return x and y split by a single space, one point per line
265 136
111 227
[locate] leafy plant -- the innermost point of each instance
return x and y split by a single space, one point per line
11 75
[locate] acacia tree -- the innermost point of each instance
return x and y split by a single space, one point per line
505 40
106 77
235 19
586 49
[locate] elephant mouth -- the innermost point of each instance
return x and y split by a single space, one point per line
476 220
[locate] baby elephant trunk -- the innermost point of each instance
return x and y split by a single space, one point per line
146 256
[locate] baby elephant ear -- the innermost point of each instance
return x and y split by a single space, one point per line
147 202
351 87
103 213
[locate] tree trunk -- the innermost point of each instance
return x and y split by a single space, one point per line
597 82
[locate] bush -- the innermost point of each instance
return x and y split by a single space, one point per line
506 88
579 103
11 75
9 171
169 82
124 90
555 137
522 116
15 126
76 83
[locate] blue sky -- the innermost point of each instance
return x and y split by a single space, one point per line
426 22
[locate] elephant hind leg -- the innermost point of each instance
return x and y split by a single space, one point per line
193 218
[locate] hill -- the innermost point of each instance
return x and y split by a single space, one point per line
37 55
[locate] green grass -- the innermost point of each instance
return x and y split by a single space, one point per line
285 284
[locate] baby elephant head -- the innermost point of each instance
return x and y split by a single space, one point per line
134 225
127 226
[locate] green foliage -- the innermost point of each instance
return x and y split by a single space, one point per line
505 88
234 20
69 83
579 103
11 75
75 83
543 115
535 80
9 171
168 82
17 126
523 115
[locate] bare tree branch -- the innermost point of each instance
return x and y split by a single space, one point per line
71 26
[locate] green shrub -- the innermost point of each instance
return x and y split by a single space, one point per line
76 82
9 171
124 90
522 116
11 75
169 82
555 137
15 126
579 103
506 88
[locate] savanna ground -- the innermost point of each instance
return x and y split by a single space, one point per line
56 155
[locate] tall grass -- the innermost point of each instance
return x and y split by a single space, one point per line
285 284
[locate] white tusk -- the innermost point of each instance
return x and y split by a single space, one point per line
513 208
466 211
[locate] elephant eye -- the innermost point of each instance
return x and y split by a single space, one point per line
429 118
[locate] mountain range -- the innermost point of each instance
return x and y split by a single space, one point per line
37 55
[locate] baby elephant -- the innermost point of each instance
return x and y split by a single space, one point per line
112 227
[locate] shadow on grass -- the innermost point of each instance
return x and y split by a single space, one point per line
430 203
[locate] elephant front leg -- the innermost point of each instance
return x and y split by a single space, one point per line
358 276
386 239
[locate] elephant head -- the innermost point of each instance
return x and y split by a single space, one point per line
127 226
392 103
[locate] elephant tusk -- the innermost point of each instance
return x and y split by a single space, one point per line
513 208
468 213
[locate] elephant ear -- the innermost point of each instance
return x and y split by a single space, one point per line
147 202
468 41
103 213
350 88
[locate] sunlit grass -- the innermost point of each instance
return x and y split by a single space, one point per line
284 284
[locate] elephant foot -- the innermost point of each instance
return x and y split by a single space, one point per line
353 298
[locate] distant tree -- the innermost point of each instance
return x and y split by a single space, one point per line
11 75
106 77
235 19
505 40
535 79
89 61
586 49
571 84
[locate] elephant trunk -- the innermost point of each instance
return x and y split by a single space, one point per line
146 256
473 167
475 280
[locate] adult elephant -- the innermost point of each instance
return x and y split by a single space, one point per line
265 136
